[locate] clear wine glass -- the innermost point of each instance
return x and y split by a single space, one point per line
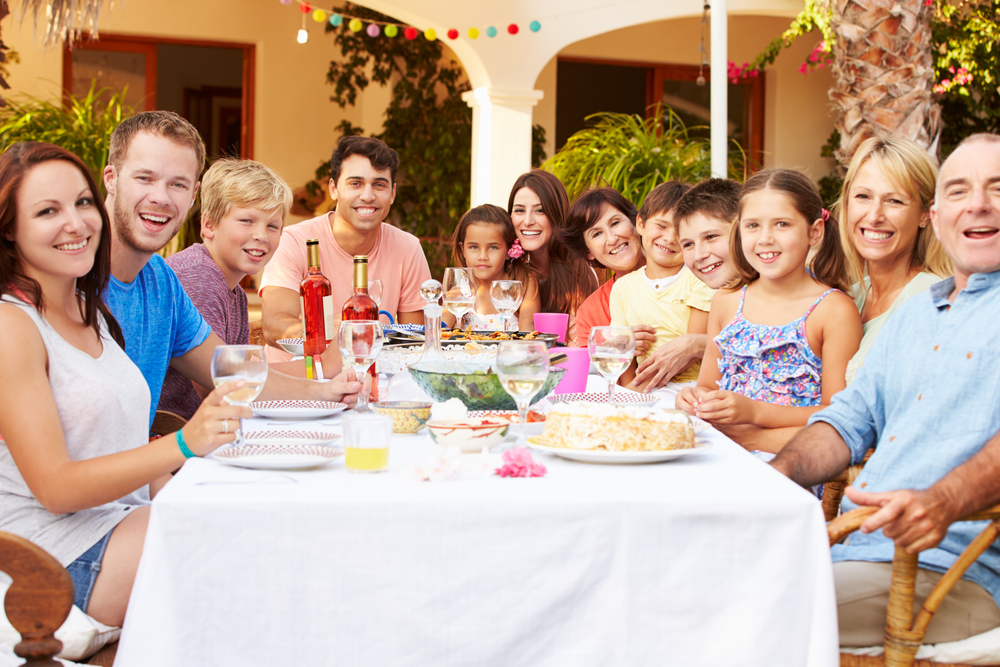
522 367
506 296
612 349
360 342
240 363
375 291
459 287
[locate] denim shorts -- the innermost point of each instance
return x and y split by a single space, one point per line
84 571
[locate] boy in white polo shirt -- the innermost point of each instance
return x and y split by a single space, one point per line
663 294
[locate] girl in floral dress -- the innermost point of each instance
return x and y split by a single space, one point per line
485 241
778 346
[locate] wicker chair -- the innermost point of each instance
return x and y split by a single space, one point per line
833 490
257 333
903 633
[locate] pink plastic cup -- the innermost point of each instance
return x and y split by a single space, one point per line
577 367
555 323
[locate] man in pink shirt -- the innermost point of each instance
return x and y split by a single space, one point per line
362 181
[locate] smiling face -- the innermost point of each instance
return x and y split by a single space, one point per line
58 226
484 250
659 240
882 218
243 241
966 213
534 230
363 193
705 245
151 192
612 241
775 237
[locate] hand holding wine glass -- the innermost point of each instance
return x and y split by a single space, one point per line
459 288
612 350
360 342
506 296
522 367
240 363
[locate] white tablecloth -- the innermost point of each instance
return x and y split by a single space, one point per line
712 559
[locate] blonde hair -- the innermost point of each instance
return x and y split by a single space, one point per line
233 182
909 167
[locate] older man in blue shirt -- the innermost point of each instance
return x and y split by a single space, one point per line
929 398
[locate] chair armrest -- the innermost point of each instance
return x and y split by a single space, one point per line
845 524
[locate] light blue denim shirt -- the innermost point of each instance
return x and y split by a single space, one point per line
929 395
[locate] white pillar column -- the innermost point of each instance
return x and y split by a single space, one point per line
501 140
719 106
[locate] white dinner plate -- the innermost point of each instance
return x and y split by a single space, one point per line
537 443
278 456
296 409
622 397
293 346
289 437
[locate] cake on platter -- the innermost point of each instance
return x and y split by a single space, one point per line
579 425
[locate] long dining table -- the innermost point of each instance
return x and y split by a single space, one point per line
710 559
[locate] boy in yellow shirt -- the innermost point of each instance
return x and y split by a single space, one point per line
664 294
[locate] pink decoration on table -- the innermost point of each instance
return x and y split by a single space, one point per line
517 462
515 250
444 464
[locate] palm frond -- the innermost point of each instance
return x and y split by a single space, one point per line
63 18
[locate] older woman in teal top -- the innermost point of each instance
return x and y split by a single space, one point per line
884 214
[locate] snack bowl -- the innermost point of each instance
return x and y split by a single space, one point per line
470 434
473 384
293 346
407 416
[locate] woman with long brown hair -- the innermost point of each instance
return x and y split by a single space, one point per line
76 469
538 206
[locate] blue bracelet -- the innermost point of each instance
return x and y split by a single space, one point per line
188 454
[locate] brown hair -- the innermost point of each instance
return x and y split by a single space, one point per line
15 163
160 123
377 151
911 169
715 197
829 265
663 198
587 210
488 214
570 279
233 182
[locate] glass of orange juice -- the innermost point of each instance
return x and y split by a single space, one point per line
366 441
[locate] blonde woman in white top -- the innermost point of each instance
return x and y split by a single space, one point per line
76 469
884 214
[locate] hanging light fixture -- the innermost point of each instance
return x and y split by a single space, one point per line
702 51
303 33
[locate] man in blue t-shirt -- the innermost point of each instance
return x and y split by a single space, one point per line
154 163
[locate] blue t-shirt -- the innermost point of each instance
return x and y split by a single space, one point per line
158 320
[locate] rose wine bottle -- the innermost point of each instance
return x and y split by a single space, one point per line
360 306
314 290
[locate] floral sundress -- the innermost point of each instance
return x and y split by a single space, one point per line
770 364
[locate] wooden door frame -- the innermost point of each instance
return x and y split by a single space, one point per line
147 45
658 72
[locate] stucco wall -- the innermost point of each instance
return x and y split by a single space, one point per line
794 103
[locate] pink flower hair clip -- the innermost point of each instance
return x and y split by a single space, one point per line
825 215
516 250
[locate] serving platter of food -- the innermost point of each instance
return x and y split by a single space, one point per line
473 337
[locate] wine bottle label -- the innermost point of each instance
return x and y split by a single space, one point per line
330 317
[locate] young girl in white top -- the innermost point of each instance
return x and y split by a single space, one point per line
777 347
486 242
76 469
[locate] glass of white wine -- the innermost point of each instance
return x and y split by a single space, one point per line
360 342
506 296
522 367
240 363
612 349
459 288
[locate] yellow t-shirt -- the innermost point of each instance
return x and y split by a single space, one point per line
634 301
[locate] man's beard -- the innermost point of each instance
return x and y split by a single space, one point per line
122 218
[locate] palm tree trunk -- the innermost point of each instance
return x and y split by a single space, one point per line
883 70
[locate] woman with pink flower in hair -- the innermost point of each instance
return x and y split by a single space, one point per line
486 242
